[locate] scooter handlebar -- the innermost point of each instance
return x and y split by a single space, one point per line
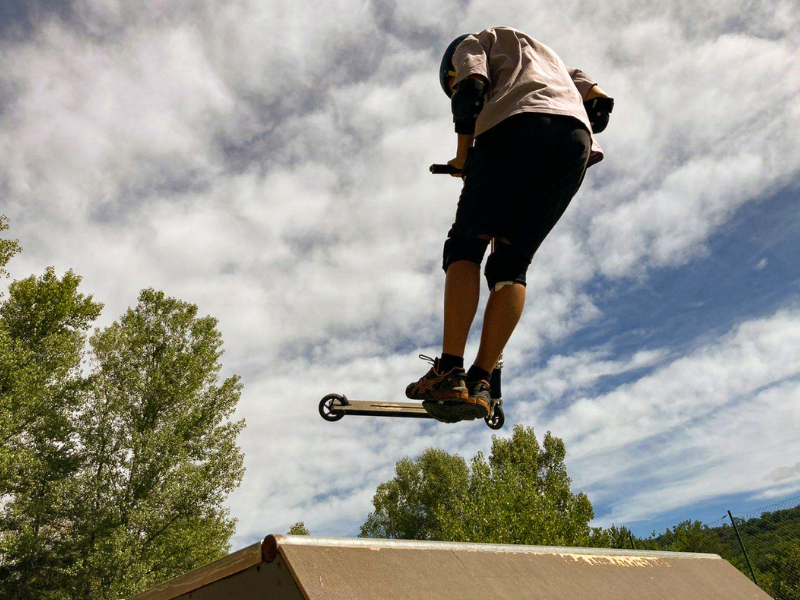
445 170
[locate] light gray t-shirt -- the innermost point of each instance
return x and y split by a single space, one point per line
524 76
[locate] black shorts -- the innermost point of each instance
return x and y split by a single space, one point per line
520 177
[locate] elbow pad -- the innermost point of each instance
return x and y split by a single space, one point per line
467 103
599 111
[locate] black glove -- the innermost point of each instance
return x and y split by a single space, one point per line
599 111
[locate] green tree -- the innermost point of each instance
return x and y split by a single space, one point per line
113 471
427 496
690 536
614 537
780 575
298 529
161 453
43 328
8 248
520 495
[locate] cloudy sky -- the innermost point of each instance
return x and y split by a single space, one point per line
267 160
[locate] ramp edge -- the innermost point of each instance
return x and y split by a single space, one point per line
377 544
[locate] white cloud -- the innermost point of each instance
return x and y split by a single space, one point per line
565 376
713 422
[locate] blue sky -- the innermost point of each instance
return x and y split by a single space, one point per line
750 271
267 160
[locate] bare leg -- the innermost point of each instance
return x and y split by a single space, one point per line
462 291
501 317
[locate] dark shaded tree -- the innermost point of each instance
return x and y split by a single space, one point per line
770 539
781 571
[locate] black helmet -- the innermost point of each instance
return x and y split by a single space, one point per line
446 68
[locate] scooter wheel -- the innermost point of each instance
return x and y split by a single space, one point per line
327 405
497 418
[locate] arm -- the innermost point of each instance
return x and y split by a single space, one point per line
471 58
583 82
465 142
471 84
598 104
467 104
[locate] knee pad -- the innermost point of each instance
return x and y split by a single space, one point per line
463 248
505 266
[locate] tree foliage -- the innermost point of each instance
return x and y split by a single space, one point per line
114 463
43 328
689 536
780 571
161 453
298 529
8 248
519 495
771 540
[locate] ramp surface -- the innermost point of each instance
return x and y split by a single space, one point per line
309 568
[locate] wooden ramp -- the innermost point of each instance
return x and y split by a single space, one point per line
302 567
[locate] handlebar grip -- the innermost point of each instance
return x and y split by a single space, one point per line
444 170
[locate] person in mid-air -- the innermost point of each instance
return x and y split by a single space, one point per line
525 125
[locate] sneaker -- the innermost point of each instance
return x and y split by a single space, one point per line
453 411
475 406
480 395
441 410
446 406
435 385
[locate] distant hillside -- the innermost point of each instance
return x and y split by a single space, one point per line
772 541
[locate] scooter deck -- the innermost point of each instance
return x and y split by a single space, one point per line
365 408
